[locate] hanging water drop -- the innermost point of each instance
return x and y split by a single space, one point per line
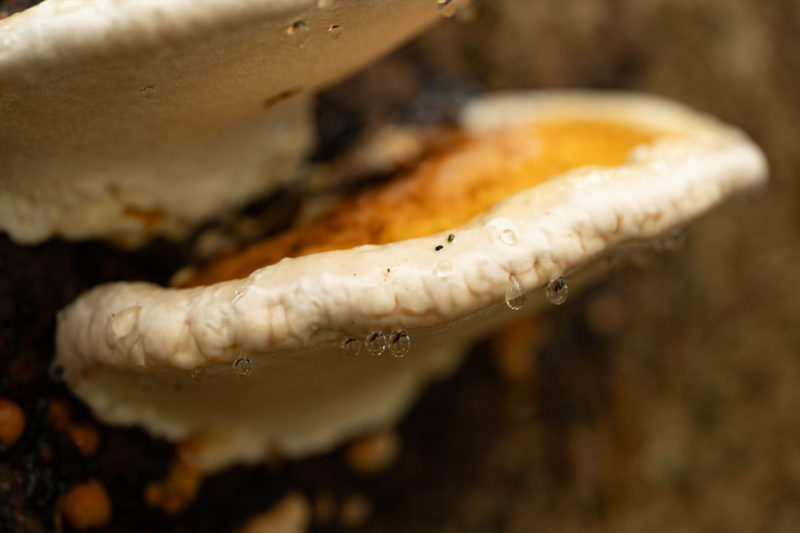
298 32
148 91
335 31
508 236
399 343
351 346
557 291
243 365
198 374
376 343
444 268
515 294
447 8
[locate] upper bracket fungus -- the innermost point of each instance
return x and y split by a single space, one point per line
128 118
535 185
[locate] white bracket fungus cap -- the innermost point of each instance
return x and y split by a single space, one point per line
129 118
130 349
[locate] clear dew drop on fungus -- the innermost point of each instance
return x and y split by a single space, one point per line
298 31
243 365
239 292
444 268
198 374
399 343
515 294
376 343
557 291
508 236
351 346
335 31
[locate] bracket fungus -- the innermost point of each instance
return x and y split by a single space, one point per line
533 186
125 119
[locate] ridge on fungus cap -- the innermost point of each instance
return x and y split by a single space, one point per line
590 171
124 119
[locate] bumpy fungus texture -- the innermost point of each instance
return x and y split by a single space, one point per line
445 191
540 184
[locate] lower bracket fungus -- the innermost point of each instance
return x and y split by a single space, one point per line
532 187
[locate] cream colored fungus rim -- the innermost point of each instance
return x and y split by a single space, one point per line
59 36
317 299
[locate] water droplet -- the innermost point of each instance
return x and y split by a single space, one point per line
335 31
298 32
399 343
122 323
444 268
447 8
351 346
557 291
149 91
672 241
239 292
376 343
508 236
243 365
198 374
515 294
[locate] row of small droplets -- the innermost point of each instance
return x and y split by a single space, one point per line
515 296
398 342
462 10
376 343
557 290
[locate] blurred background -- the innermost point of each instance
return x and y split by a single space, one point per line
664 398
